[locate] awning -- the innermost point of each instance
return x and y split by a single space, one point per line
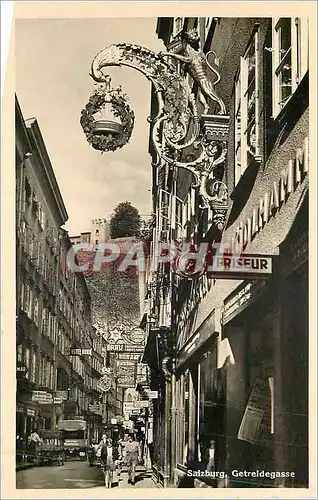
208 331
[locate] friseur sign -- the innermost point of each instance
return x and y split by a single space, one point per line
241 266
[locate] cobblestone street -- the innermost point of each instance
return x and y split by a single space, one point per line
76 474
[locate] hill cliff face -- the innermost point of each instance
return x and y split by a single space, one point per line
115 295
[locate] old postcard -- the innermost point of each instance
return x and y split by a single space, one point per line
159 183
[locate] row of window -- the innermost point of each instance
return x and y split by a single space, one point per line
78 365
40 369
64 343
290 53
49 325
29 302
44 319
290 62
47 374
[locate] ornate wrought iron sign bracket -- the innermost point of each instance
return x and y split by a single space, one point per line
180 136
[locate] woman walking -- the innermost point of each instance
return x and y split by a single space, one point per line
109 455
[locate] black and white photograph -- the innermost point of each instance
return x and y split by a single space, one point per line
161 236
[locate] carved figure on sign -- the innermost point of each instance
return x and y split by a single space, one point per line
197 65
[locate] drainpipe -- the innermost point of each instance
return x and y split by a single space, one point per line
173 418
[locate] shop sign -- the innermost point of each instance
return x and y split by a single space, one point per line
141 379
126 381
42 397
30 412
128 407
272 201
80 352
21 370
241 267
211 327
125 348
128 356
152 394
125 368
57 401
61 394
242 298
142 404
127 363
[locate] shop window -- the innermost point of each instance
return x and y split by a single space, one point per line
290 40
247 109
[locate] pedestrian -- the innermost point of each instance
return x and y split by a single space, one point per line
121 451
109 455
211 456
34 440
132 457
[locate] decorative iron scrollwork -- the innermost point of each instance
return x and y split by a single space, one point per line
177 125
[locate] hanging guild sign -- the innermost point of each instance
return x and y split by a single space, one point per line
105 383
136 336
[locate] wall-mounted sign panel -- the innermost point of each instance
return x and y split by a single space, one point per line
244 266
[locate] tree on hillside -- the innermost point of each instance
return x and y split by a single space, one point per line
125 221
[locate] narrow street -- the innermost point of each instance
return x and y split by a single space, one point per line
76 474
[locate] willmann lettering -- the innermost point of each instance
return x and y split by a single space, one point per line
291 176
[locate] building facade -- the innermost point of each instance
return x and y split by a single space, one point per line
53 306
99 233
229 357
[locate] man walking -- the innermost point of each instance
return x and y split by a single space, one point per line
132 457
